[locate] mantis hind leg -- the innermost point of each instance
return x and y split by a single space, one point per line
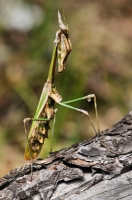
88 97
25 121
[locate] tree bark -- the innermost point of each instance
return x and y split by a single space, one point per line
99 168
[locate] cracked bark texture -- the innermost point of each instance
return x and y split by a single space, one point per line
87 170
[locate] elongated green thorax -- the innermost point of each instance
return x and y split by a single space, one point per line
52 66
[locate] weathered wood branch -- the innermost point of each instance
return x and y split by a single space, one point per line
87 170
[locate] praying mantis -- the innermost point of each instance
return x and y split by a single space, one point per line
45 110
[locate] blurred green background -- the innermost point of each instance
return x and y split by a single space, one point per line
100 63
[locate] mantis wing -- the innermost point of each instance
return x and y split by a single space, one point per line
29 154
